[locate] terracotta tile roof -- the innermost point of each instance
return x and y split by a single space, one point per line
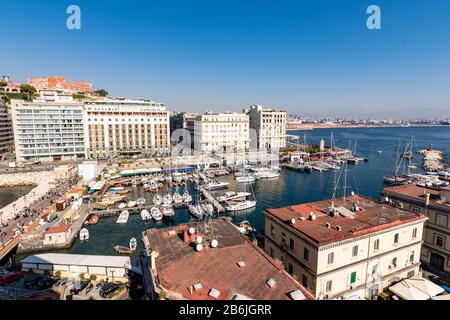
371 217
58 229
412 190
180 266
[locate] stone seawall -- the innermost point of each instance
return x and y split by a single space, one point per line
42 182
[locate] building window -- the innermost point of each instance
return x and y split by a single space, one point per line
440 241
304 281
290 268
376 244
441 220
410 274
411 257
329 285
271 252
306 254
355 251
272 230
396 238
394 262
374 269
291 244
414 233
353 278
331 258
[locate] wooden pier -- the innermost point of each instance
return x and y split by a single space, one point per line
219 208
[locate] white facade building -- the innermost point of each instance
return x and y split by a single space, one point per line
88 170
270 127
6 130
220 132
48 130
126 126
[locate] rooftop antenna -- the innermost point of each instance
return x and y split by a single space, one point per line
345 179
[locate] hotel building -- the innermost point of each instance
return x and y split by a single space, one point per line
219 132
6 131
345 248
435 204
270 127
126 127
48 130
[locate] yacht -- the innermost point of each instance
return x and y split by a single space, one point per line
168 211
167 199
216 185
123 217
140 201
231 195
246 179
131 204
156 213
157 200
177 198
196 210
241 205
207 208
187 197
266 174
145 215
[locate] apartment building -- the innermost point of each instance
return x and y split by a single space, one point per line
219 132
270 127
349 248
48 130
6 131
435 204
123 126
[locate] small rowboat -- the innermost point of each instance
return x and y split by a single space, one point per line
122 249
93 219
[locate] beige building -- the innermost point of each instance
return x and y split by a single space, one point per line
6 131
219 132
126 127
269 126
345 249
435 205
59 235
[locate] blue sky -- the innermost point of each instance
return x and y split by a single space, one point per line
312 57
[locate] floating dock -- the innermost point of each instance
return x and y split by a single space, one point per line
219 208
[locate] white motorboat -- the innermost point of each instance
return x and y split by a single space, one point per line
246 179
145 215
187 197
84 234
131 204
266 174
123 217
122 205
216 185
231 195
140 201
177 198
167 199
157 200
145 186
168 211
320 169
207 208
196 211
144 180
156 213
169 179
241 205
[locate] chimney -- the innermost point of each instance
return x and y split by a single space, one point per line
186 238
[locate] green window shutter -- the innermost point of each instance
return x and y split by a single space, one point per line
353 278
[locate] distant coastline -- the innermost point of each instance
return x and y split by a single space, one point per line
313 127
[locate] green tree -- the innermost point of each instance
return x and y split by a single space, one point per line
101 92
3 83
28 90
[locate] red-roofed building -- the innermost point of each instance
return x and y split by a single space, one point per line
58 235
349 248
60 83
231 268
435 204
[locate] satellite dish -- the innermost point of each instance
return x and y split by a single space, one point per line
214 243
353 193
199 239
133 244
191 230
199 247
292 221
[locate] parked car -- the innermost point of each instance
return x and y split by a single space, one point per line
60 283
10 277
108 288
89 287
45 283
78 287
31 283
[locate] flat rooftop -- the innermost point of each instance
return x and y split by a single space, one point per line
235 266
371 217
78 260
417 192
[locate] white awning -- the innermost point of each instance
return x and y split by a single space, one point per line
416 288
